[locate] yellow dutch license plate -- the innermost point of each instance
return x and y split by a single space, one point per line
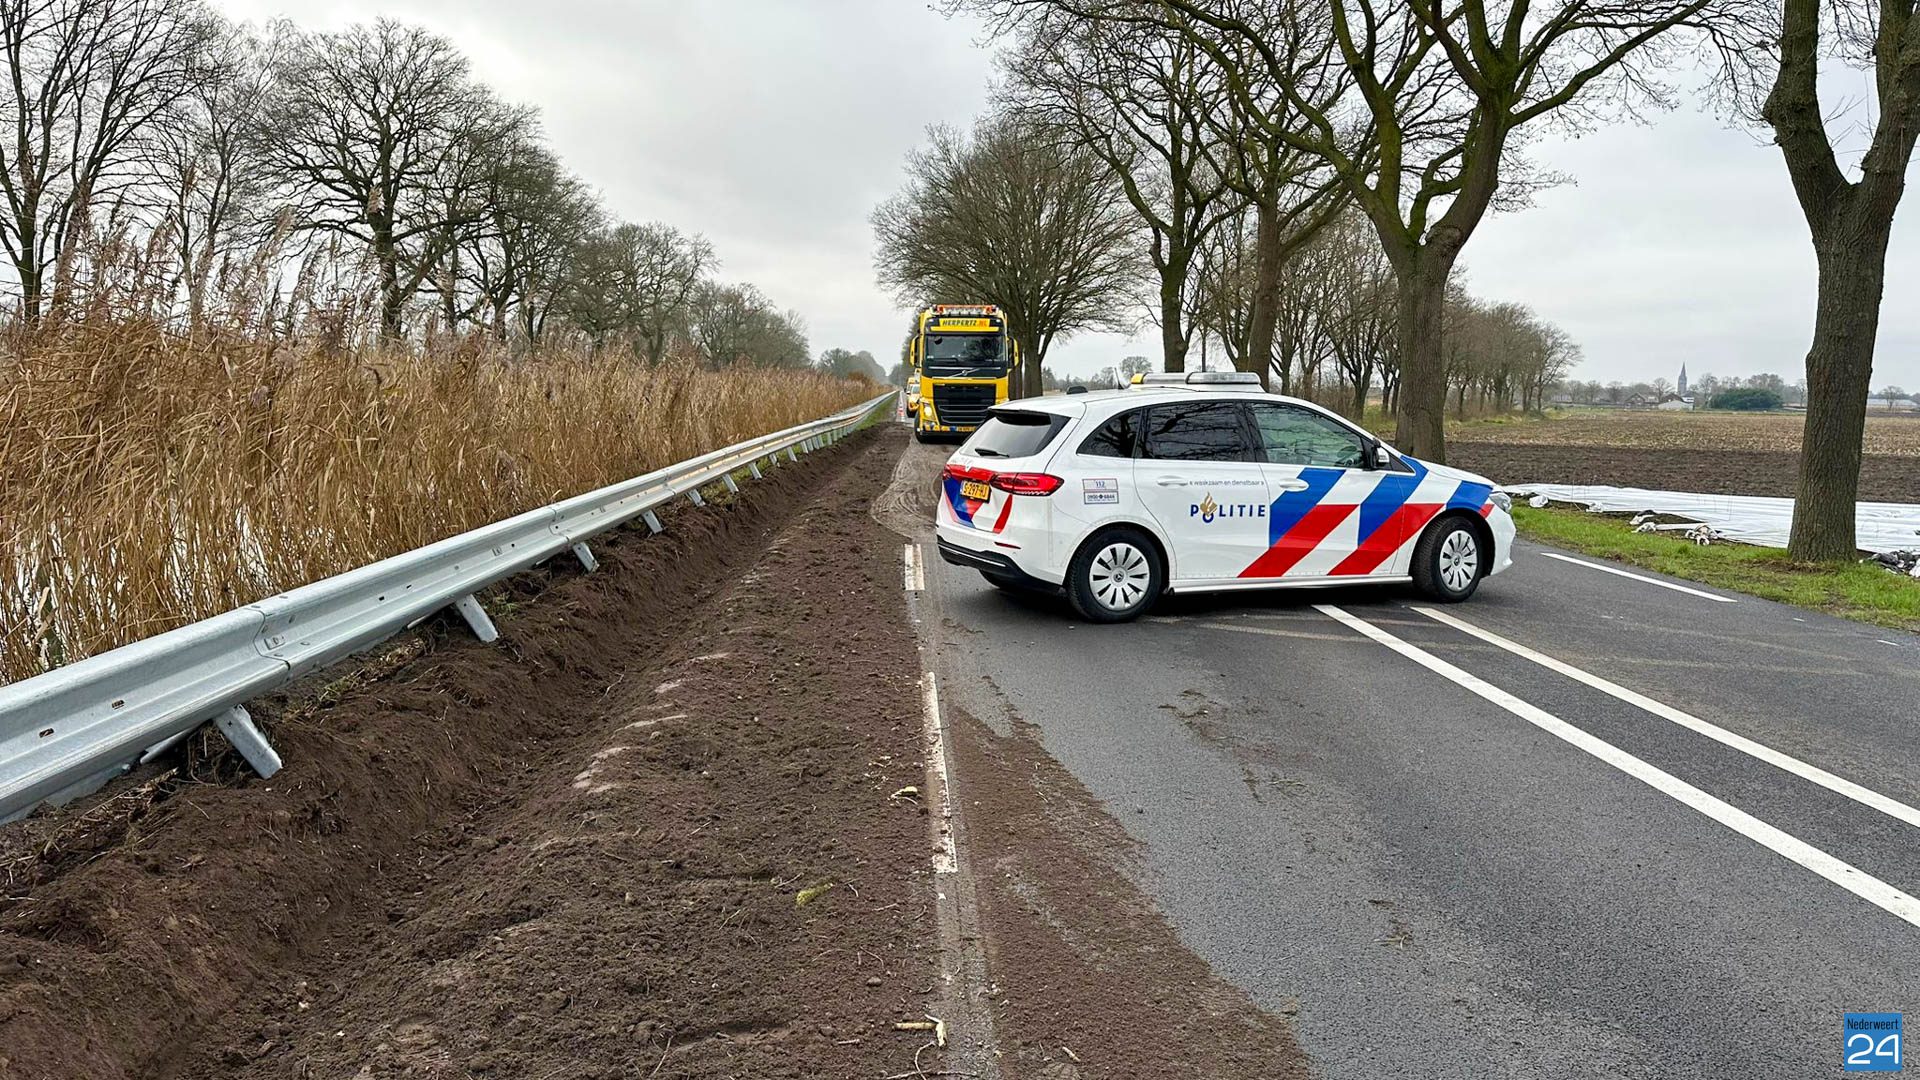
976 489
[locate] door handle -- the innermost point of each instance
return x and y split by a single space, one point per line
1171 481
1291 485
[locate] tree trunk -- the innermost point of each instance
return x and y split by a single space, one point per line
390 304
1421 388
1030 380
1265 314
1360 386
1173 338
1839 369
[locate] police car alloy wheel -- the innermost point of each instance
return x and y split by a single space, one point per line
1115 577
1448 563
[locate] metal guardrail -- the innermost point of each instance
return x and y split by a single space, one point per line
67 732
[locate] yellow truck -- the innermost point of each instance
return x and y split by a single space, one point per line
963 362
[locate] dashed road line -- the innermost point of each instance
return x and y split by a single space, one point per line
1865 796
914 574
946 859
1869 888
1616 571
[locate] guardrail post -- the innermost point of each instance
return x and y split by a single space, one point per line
693 496
237 725
731 485
653 522
754 468
585 554
791 456
476 616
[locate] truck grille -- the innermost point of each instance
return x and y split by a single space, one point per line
962 406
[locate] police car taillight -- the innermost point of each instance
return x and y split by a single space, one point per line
1026 483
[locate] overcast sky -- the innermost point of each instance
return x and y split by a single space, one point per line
775 126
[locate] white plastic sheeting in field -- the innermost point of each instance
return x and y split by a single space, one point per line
1750 519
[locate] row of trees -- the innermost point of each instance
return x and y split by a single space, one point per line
1235 133
248 168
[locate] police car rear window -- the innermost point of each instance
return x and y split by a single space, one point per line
1014 434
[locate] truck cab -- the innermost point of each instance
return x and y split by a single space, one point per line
964 362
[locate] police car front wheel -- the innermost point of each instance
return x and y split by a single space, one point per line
1115 577
1450 560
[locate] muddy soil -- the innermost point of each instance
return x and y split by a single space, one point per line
1883 477
1090 980
651 833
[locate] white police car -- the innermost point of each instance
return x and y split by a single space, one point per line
1202 482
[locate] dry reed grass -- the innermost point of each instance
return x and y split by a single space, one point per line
147 481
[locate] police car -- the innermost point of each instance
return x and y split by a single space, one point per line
1205 482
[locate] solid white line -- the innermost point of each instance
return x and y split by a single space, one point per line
1856 881
915 574
1862 795
1640 577
945 861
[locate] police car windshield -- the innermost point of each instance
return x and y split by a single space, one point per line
955 356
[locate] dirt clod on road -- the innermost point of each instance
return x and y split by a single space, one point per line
579 853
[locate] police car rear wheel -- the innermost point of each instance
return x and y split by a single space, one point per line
1448 562
1114 577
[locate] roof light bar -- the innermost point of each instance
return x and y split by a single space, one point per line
1191 378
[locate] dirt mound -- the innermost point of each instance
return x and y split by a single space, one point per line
576 853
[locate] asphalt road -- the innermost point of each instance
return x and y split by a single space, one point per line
1448 860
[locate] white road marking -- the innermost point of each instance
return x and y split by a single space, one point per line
1869 888
1865 796
1640 577
945 861
915 574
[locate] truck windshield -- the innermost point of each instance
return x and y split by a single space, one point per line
966 356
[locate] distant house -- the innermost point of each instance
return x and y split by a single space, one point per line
1675 402
1638 401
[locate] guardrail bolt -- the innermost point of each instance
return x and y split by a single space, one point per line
476 616
237 725
585 554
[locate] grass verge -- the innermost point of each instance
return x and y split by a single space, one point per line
1860 591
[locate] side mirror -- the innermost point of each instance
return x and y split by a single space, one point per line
1382 458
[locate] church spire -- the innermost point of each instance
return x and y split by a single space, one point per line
1680 388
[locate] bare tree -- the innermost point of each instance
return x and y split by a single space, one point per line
643 280
215 186
87 82
737 324
1145 101
1010 218
1775 49
517 259
378 133
1360 327
1440 96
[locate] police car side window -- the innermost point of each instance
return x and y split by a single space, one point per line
1199 431
1291 436
1115 438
